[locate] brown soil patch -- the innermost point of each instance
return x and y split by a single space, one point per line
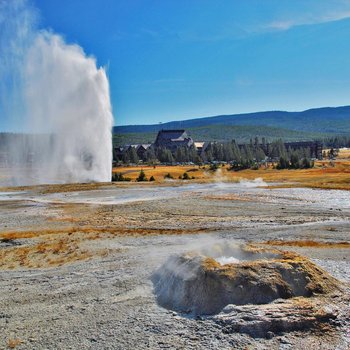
57 188
229 197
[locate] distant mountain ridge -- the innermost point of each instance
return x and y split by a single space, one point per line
325 119
308 124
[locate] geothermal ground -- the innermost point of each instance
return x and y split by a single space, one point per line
77 264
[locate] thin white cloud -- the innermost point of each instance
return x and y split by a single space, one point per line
236 28
308 20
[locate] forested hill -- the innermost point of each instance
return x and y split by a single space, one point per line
291 126
328 119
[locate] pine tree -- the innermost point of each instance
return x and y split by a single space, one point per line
259 154
283 163
150 156
133 155
228 152
294 161
142 176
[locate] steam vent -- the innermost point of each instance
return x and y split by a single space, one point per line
262 284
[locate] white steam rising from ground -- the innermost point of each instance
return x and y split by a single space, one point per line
65 99
258 182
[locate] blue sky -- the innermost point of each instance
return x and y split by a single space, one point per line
179 59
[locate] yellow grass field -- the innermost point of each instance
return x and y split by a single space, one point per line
344 153
325 174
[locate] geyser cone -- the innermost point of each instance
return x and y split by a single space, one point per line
198 284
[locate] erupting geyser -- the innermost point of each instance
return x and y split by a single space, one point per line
69 95
65 103
197 283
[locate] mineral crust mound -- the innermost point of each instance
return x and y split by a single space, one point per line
197 283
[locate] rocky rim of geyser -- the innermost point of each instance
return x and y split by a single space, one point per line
198 284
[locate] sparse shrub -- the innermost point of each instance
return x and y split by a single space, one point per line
213 167
168 176
238 166
152 178
6 240
142 176
119 177
185 176
307 163
114 176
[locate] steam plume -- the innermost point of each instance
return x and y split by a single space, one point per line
66 104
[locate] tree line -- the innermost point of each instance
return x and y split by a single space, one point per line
246 156
336 141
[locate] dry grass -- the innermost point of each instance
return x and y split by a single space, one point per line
43 253
60 188
307 243
12 343
160 171
49 247
324 175
327 175
344 153
96 231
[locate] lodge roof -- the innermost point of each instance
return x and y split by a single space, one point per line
172 134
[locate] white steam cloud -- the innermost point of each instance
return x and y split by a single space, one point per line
65 100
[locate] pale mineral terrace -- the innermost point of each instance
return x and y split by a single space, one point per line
76 261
